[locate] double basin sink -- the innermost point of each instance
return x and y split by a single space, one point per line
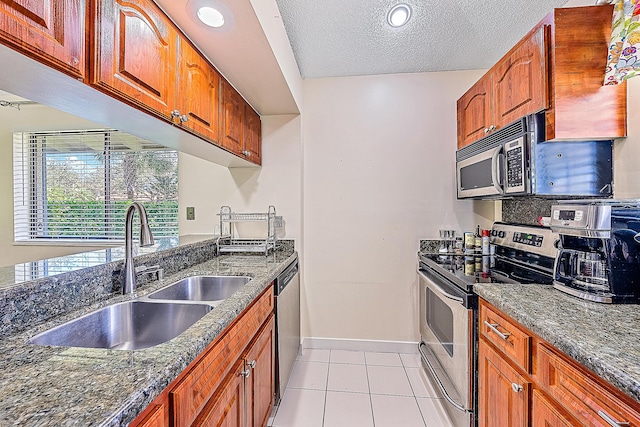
146 322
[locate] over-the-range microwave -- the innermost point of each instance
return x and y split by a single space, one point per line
515 160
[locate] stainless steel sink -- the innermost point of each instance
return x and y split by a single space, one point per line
131 325
202 288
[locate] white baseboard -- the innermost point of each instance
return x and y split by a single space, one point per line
360 345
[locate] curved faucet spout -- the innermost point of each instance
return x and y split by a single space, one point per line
146 239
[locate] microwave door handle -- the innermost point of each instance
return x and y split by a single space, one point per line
496 170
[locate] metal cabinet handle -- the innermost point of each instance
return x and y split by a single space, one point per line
486 130
245 373
494 327
492 127
184 118
517 387
611 421
252 364
175 114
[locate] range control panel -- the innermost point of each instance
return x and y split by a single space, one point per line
533 239
528 239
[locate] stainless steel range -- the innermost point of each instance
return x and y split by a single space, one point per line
448 307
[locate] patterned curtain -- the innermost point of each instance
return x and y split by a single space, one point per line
622 62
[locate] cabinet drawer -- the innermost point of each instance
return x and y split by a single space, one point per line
586 398
196 388
505 335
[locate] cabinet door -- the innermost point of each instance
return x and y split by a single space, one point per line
155 415
474 112
199 89
547 414
233 121
226 407
252 135
520 80
136 54
49 31
502 392
260 382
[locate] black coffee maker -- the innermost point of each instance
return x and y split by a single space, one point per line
599 249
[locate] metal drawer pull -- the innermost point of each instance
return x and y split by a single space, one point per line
245 373
611 421
494 328
252 364
516 387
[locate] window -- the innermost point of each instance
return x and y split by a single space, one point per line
77 185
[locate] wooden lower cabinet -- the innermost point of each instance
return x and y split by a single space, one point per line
548 414
231 383
540 386
503 392
227 408
259 363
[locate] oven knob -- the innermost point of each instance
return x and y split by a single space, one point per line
502 234
494 233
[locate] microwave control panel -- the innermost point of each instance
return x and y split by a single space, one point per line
515 157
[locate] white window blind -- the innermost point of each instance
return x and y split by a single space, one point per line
77 185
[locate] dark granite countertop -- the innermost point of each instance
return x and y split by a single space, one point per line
62 386
604 338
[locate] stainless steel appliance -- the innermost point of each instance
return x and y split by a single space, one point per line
599 249
515 160
448 307
287 343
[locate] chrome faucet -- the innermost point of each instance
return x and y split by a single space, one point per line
146 239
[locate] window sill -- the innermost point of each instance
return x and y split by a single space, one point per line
81 242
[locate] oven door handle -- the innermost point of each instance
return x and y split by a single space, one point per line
434 374
440 290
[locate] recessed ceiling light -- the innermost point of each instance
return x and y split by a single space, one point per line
211 16
399 15
214 15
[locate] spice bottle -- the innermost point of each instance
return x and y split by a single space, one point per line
478 241
485 242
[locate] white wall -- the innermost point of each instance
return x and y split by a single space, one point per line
29 117
378 176
207 186
626 151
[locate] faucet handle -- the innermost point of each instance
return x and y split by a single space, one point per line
144 269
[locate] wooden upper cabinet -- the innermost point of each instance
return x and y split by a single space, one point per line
135 54
520 80
512 88
252 135
475 112
49 31
581 107
199 92
233 122
559 68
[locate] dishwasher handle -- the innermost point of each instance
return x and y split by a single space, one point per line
287 275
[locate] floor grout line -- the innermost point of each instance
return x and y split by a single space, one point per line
366 365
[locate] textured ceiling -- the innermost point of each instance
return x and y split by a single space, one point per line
332 38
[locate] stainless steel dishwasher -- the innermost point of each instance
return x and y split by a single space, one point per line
287 296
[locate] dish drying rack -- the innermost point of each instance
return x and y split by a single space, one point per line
231 243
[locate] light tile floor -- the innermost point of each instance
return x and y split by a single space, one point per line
338 388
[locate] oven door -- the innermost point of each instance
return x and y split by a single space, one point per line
447 342
481 175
